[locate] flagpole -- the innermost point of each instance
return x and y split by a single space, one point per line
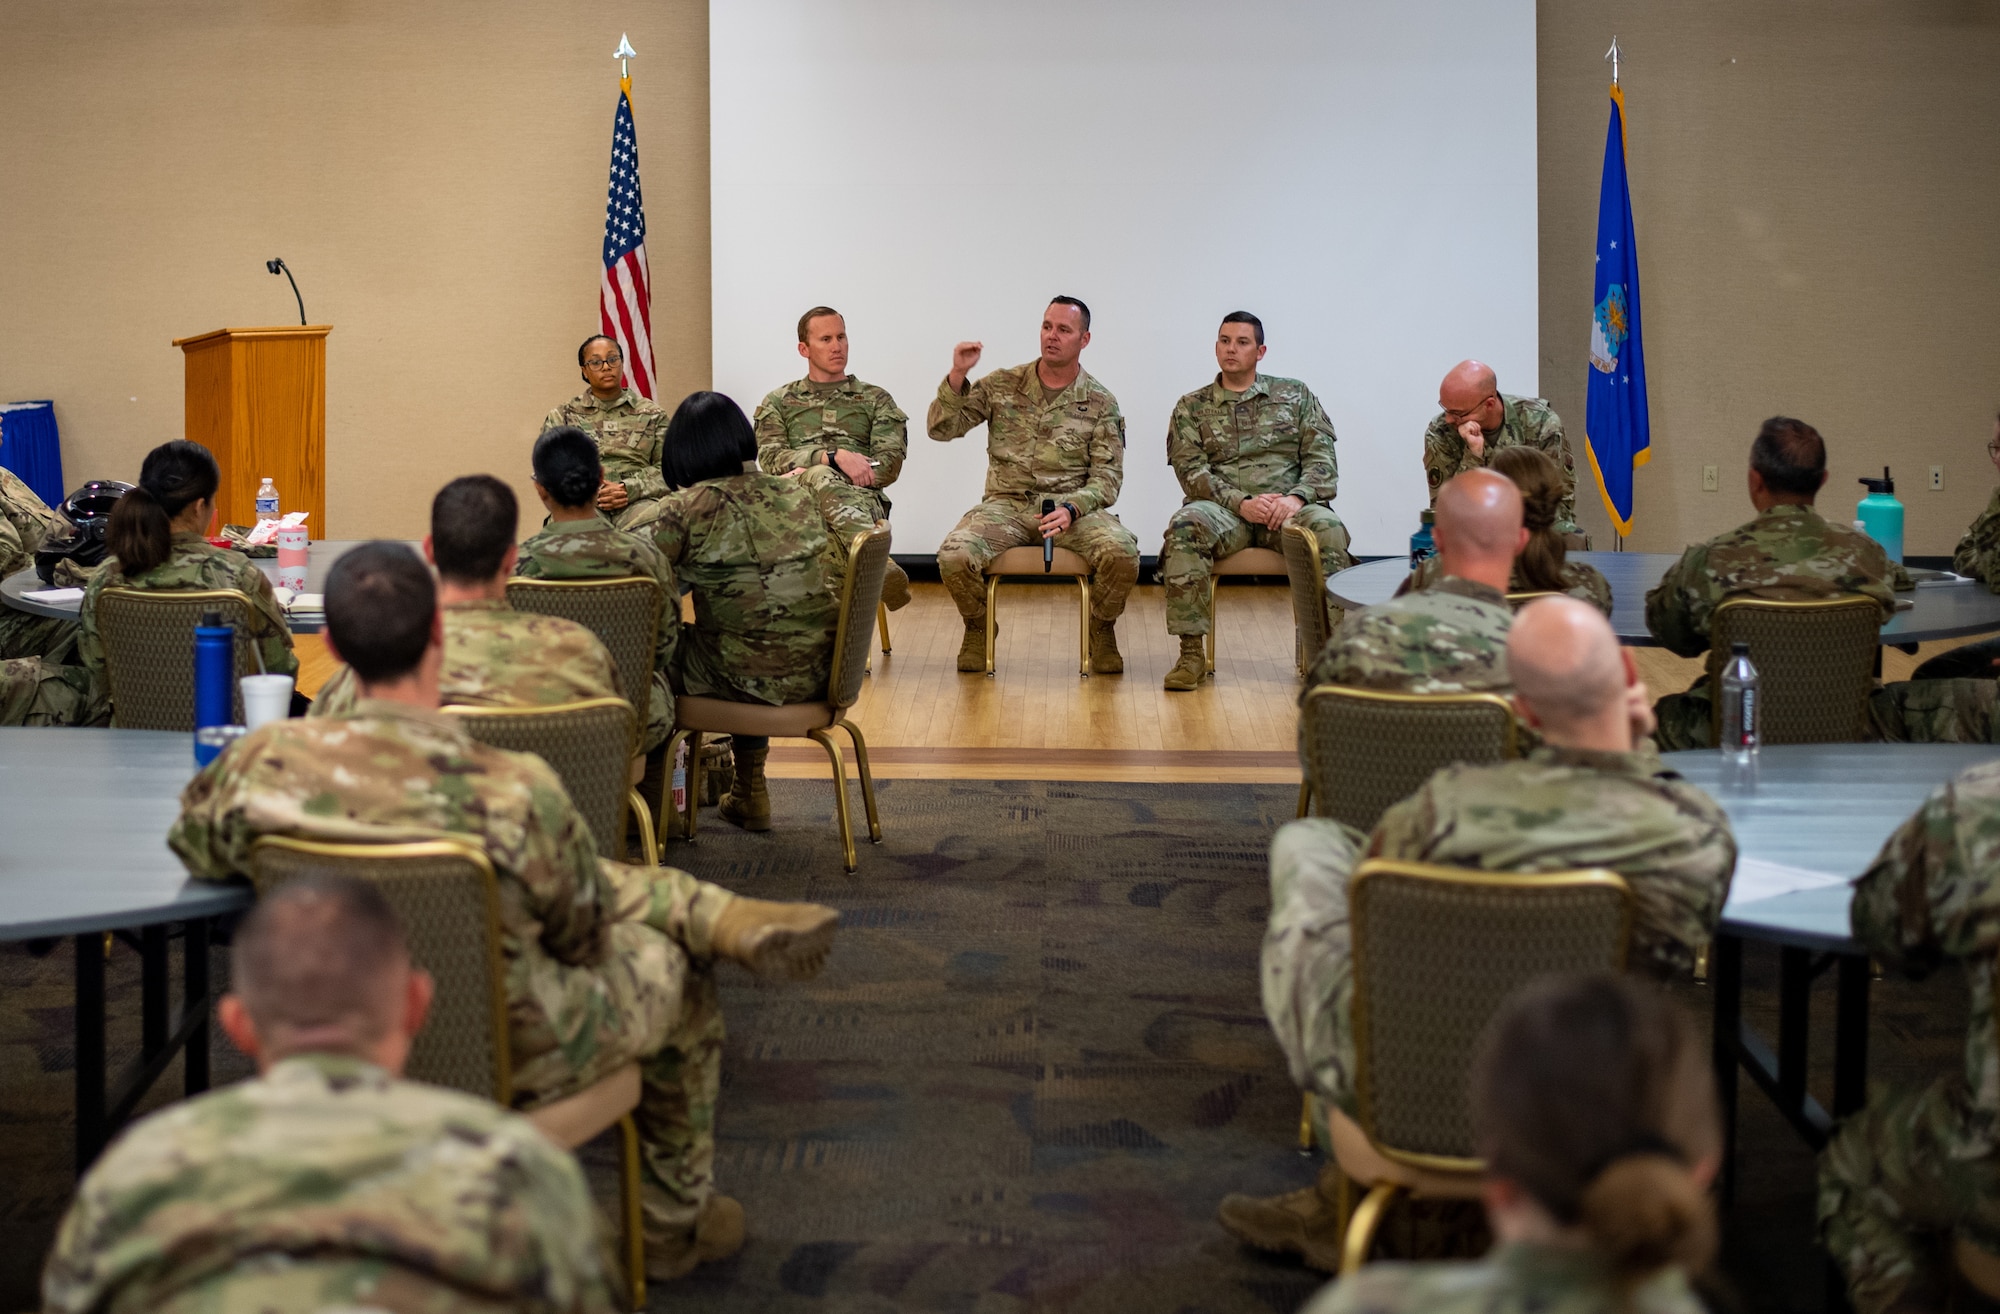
625 52
1617 534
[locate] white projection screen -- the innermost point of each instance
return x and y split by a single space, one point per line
1360 175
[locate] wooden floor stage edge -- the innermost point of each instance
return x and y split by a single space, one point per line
1236 766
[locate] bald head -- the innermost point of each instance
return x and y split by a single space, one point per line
1479 527
1469 383
321 966
1567 669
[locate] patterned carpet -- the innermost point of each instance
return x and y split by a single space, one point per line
1032 1068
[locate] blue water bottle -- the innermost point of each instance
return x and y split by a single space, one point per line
1880 515
1423 543
214 680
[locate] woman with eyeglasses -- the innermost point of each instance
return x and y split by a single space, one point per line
628 429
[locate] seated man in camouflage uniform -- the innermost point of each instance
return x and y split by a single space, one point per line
839 437
1053 434
1787 552
25 521
494 656
1921 1165
579 543
1476 420
626 427
606 964
1253 454
1593 795
1977 555
328 1182
1452 636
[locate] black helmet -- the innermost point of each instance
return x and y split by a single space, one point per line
92 503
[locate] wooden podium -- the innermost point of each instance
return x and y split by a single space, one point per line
256 397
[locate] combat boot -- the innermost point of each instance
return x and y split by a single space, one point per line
895 588
972 652
784 941
1192 668
1104 658
749 801
1304 1223
718 1234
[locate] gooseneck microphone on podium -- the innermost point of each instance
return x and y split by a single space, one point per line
1048 544
278 266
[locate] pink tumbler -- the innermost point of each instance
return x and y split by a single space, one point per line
292 558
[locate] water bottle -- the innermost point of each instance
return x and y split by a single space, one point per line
1423 543
681 778
1880 515
214 681
267 501
1739 705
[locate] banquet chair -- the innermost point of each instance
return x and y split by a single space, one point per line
589 743
149 652
1815 664
1020 561
1366 749
1312 608
1250 561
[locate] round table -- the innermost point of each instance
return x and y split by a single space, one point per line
320 556
1942 610
85 815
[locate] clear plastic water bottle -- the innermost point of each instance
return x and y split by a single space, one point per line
1739 705
267 501
1423 543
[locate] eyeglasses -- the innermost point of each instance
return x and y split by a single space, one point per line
599 362
1993 448
1458 417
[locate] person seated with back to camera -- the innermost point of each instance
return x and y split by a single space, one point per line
1544 565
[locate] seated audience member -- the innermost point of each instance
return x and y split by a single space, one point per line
1977 555
579 543
1786 553
605 964
1476 421
765 578
494 656
1594 1108
155 540
327 1182
625 426
1452 636
1919 1165
1544 565
25 521
1594 794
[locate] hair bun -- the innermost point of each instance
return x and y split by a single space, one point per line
1645 1211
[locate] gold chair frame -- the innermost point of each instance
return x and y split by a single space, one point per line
1312 609
1718 654
815 720
569 1121
1457 1176
141 600
1248 563
1516 601
1311 788
633 803
1066 563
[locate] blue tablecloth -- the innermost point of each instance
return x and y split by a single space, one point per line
30 448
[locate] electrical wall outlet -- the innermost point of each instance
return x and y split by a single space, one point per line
1937 479
1708 480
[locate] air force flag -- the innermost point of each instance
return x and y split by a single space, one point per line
1616 433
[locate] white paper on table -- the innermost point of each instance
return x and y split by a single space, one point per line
308 602
1757 879
54 596
266 531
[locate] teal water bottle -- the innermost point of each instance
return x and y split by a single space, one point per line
1422 543
1880 515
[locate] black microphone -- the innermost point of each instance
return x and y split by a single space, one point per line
278 266
1048 543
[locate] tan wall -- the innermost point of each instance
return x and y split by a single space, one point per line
1815 189
434 175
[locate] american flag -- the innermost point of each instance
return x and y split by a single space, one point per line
625 300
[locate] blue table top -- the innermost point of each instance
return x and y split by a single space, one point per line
83 833
1827 808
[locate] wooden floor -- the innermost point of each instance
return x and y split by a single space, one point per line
1037 719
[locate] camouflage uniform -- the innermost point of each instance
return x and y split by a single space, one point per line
605 964
495 656
629 431
594 549
1226 448
1528 422
25 520
1067 445
1513 1279
798 422
1556 809
1977 555
1787 552
1919 1164
191 564
326 1184
763 573
1448 638
35 691
1581 581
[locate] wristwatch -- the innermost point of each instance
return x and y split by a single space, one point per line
1074 514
